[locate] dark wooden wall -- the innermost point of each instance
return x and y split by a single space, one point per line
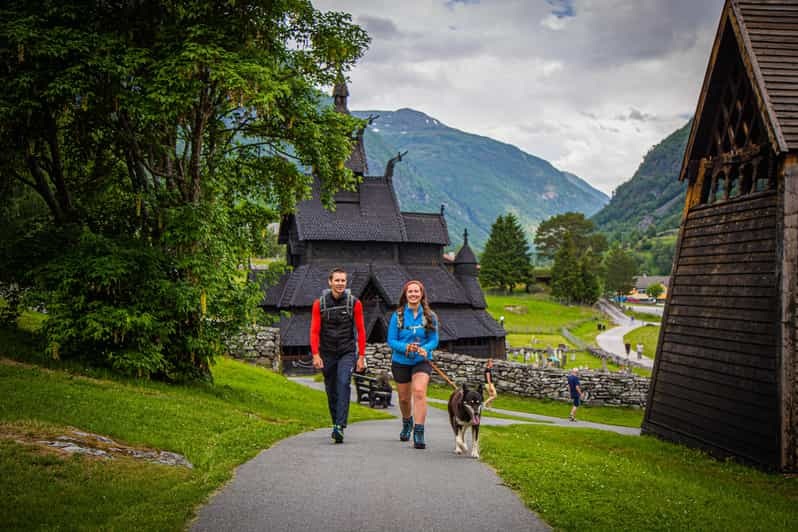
716 369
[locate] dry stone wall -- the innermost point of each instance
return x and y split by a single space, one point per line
619 389
260 345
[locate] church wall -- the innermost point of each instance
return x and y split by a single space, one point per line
431 254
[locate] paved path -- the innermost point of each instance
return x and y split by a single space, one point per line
371 482
612 340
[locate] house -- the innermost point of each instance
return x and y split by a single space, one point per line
725 371
643 282
381 248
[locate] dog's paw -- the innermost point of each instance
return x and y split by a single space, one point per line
457 450
475 455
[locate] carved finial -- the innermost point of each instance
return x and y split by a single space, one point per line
392 162
465 236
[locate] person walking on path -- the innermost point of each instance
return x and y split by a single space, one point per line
639 351
489 383
412 335
337 337
576 392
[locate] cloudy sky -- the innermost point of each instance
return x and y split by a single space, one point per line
589 85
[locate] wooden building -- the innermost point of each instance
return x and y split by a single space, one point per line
725 371
381 248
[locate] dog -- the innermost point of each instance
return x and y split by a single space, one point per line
465 410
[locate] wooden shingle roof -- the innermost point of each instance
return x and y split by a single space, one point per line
770 32
764 34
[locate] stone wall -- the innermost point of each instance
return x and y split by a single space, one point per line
260 345
619 389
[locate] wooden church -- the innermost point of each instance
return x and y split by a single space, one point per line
725 371
381 248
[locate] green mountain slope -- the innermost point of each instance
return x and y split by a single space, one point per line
477 178
645 211
653 197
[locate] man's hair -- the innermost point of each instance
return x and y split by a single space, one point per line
336 270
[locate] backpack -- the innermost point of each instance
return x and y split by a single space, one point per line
400 319
350 301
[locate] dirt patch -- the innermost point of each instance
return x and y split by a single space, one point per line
516 309
73 441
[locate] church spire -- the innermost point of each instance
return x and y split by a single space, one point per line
357 161
340 94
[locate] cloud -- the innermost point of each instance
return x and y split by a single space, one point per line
378 27
589 85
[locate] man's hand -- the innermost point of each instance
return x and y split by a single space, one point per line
421 351
361 364
318 363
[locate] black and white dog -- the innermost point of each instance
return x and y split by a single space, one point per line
465 409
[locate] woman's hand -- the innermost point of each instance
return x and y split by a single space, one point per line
421 351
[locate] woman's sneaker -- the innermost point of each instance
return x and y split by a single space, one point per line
418 437
337 434
407 428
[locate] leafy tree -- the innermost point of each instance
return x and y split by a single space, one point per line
566 277
655 290
550 234
163 137
505 261
621 268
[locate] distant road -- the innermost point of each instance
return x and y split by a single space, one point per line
657 311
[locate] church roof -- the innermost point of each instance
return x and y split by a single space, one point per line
455 324
765 35
303 285
465 255
369 215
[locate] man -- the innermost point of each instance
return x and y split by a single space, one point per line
576 392
639 351
337 337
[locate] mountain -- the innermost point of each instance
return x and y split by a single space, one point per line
475 177
645 211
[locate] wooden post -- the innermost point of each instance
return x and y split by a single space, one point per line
788 373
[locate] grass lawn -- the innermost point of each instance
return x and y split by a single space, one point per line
643 316
610 415
216 427
536 313
594 480
648 336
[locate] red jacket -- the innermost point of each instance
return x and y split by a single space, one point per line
315 328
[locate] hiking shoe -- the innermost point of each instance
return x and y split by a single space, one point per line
337 434
571 418
407 428
418 437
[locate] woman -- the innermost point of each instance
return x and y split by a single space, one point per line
412 335
489 383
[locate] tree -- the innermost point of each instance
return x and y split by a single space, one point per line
505 260
550 234
566 277
655 290
163 137
620 270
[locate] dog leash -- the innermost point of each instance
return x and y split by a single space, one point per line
442 374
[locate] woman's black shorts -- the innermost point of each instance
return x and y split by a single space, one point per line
403 374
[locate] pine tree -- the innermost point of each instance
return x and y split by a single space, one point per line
505 261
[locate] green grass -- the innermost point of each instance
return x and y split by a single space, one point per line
217 427
610 415
648 336
539 314
643 316
497 415
594 480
